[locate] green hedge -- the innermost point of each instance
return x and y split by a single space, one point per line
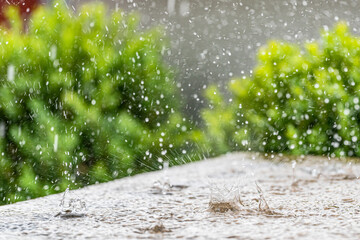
84 97
299 100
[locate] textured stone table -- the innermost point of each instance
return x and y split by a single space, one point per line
250 198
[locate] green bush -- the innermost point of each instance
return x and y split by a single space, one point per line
84 98
299 100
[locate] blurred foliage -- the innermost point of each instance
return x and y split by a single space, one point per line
84 98
299 100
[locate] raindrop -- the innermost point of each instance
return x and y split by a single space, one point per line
11 73
56 138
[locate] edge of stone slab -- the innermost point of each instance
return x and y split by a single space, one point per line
224 157
251 156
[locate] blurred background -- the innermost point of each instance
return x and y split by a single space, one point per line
214 40
87 94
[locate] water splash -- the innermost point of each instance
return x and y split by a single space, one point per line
263 205
163 185
224 199
71 207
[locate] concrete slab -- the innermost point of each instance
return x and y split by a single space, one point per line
250 198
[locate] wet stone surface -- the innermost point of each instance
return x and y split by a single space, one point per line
238 196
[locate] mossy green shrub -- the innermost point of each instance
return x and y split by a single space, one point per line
84 97
299 100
